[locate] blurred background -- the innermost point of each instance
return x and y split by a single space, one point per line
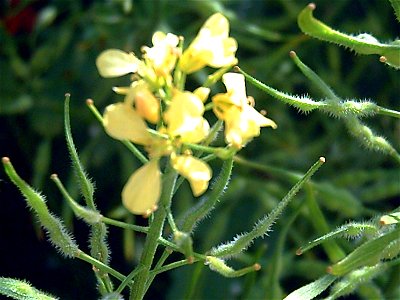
48 48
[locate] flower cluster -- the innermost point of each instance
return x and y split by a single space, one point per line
163 117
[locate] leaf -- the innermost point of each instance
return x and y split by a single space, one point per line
313 289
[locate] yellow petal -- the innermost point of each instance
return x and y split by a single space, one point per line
211 47
196 171
200 130
146 104
184 116
258 118
202 93
217 25
122 122
162 56
114 63
142 191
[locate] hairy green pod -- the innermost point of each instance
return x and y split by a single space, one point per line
88 215
351 230
219 266
369 139
21 290
363 43
262 227
57 233
207 202
85 183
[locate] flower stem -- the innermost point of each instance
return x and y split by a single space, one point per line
139 287
99 265
388 112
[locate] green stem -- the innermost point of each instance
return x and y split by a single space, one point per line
127 280
388 112
124 225
137 228
173 265
303 103
278 172
155 231
171 220
313 77
159 264
334 252
99 265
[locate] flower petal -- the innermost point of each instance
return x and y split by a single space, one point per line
258 118
196 171
211 47
142 191
122 122
236 87
185 117
114 63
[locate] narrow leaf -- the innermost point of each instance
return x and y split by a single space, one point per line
312 290
368 254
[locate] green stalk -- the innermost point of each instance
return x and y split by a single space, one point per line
99 265
155 231
388 112
332 249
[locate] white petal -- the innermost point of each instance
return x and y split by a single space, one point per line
235 84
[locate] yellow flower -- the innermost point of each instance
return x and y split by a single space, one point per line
143 189
114 63
184 117
242 121
196 171
140 95
163 55
122 122
212 46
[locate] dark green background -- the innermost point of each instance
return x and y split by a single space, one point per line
39 64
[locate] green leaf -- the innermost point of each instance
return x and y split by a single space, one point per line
351 281
396 7
368 254
313 289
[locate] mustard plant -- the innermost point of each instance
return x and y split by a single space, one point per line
176 133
